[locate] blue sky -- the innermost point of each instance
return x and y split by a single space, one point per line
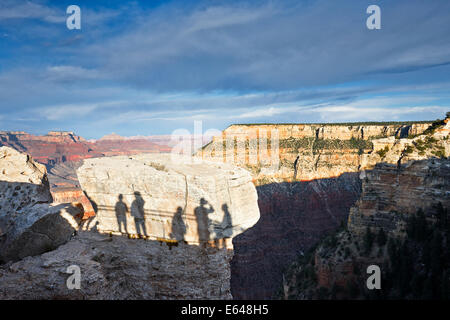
150 67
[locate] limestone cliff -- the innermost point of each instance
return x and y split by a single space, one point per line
184 212
390 192
397 180
30 223
170 197
307 178
402 212
323 150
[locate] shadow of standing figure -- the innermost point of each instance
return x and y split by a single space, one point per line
178 225
227 223
137 211
121 214
201 214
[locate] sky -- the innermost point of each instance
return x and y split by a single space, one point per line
152 67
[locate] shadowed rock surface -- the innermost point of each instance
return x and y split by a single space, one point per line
120 268
294 216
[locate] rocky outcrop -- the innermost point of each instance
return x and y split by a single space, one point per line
307 180
389 193
401 176
168 197
172 258
120 268
29 223
299 152
390 199
402 179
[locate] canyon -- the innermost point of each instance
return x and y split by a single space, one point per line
61 146
405 192
163 229
308 179
63 151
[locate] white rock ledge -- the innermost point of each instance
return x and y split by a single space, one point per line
172 198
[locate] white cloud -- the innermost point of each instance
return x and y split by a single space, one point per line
30 10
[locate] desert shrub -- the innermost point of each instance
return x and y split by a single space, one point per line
382 152
408 150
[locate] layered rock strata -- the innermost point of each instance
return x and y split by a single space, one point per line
402 177
299 152
286 160
390 192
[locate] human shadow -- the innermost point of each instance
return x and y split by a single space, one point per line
227 222
121 214
178 225
201 214
137 212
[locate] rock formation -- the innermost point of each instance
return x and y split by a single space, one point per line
390 192
175 204
53 148
29 223
170 197
403 178
327 184
120 268
323 151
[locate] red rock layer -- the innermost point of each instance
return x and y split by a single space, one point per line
77 198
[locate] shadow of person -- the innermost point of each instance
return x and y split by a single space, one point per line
137 211
201 214
178 225
121 214
227 222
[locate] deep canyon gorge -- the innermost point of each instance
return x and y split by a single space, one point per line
260 217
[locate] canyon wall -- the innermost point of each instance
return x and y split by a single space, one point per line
411 176
401 214
390 192
55 147
307 177
323 151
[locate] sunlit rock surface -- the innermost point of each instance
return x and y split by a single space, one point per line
29 223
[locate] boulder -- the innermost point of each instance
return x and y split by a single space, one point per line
170 197
29 223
